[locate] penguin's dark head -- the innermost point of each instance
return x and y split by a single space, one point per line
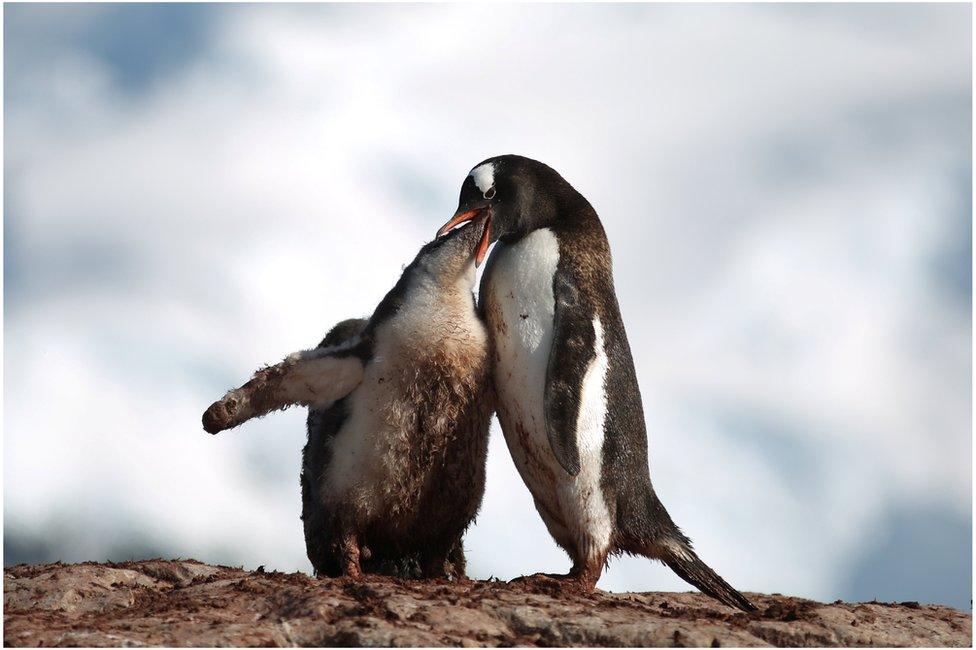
517 194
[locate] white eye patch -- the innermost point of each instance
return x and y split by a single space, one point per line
484 176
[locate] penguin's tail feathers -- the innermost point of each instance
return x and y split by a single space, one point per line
685 562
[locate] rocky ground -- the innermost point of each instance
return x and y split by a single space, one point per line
185 603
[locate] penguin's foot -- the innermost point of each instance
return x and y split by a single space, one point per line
587 574
349 557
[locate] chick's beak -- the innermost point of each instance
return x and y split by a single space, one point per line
471 215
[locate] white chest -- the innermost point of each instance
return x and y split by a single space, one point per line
520 311
521 315
369 450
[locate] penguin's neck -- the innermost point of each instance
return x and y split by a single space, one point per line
569 212
437 302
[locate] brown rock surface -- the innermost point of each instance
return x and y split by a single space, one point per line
185 603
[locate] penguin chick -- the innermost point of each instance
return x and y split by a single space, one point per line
323 424
409 400
568 399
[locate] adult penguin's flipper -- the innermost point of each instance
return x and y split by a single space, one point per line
315 378
572 350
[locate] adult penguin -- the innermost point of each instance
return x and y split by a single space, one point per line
568 399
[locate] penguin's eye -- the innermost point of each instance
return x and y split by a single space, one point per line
490 193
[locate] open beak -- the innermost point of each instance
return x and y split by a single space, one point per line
470 215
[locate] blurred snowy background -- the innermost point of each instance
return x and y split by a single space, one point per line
195 190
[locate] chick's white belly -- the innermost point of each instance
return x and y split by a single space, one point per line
364 451
371 472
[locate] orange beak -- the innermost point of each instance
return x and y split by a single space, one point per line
470 215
